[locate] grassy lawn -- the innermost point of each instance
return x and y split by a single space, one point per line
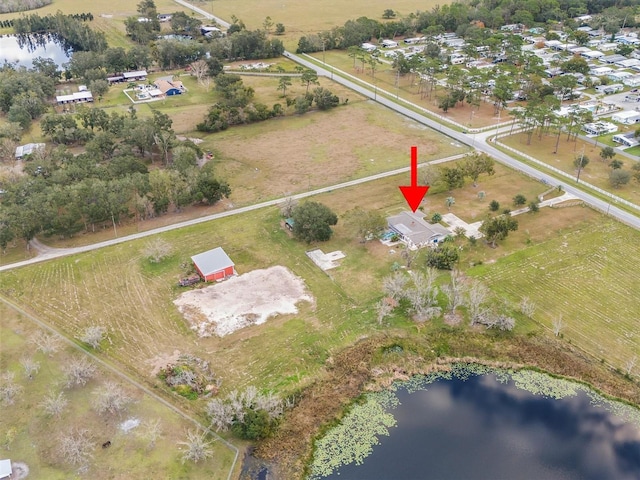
36 435
406 87
596 172
589 275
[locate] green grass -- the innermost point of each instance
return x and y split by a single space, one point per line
589 276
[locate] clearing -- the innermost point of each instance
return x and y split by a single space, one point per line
241 301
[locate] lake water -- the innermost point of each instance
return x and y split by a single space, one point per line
24 48
520 427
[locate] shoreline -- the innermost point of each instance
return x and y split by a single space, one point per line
374 363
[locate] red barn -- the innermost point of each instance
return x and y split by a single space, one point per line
214 265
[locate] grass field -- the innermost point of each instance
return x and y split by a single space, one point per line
35 435
595 173
589 276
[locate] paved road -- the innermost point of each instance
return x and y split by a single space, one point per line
48 253
477 140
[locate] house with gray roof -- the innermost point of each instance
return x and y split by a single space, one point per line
415 231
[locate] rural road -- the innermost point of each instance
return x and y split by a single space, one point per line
477 140
48 253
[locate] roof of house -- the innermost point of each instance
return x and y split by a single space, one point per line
415 228
212 261
137 73
28 149
74 96
165 85
5 468
626 114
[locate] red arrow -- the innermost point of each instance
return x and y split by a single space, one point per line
414 194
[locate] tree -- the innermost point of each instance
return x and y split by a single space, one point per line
494 205
519 200
619 177
444 257
54 404
477 294
75 447
454 290
369 224
9 390
308 77
325 99
453 177
283 83
197 447
636 169
150 431
607 153
280 29
157 250
527 307
394 285
93 335
475 164
616 164
388 14
581 161
533 207
99 87
46 343
449 202
383 310
78 371
110 398
558 325
29 366
575 64
312 222
436 218
498 228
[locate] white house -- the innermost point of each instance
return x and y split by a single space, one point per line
629 62
389 43
626 117
632 82
609 89
626 139
368 47
599 71
28 149
5 469
592 54
415 231
599 128
619 76
77 97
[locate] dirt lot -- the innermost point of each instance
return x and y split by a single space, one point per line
249 299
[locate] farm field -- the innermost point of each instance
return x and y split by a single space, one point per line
120 289
406 87
595 173
31 437
589 276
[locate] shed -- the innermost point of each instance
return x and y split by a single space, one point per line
135 75
5 469
214 265
28 149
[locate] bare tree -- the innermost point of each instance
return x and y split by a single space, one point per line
527 307
383 310
394 284
46 343
454 290
630 364
558 325
477 295
157 250
55 404
220 413
423 295
198 448
286 207
9 390
93 335
150 431
110 398
29 366
76 447
201 70
503 322
79 371
409 256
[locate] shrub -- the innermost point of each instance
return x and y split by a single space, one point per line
519 200
494 206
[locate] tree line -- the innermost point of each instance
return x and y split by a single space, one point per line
10 6
75 32
63 194
466 18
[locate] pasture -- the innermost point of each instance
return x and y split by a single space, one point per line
589 276
118 288
30 436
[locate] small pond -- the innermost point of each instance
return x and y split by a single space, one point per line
481 424
22 49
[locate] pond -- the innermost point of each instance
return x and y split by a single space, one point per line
481 424
22 49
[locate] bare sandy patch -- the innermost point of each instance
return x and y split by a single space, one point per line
249 299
